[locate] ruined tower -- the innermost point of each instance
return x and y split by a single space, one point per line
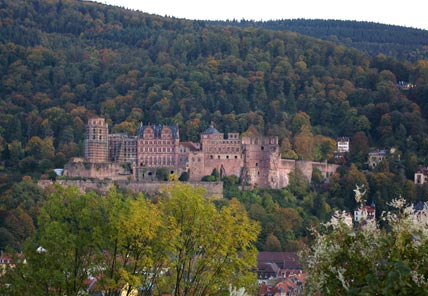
96 141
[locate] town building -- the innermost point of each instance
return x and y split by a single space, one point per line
255 160
421 175
365 213
376 157
342 145
279 273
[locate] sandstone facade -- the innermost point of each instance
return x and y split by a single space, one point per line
255 160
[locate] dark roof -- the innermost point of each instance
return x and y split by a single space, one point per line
268 267
283 259
211 130
342 139
378 152
157 129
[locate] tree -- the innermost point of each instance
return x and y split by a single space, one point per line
359 148
61 255
138 245
272 243
299 120
177 243
298 184
371 260
40 148
211 247
303 143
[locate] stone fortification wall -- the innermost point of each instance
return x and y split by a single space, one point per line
327 169
213 189
285 167
107 170
305 166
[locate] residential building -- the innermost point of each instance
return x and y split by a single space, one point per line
342 145
421 175
279 274
375 157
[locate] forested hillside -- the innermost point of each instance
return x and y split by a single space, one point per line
372 38
63 61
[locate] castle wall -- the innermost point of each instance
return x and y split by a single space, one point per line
261 160
98 170
254 159
285 167
213 189
196 165
327 169
306 168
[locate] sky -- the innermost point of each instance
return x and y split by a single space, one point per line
408 13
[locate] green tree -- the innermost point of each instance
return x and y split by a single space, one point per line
138 245
60 256
211 247
303 143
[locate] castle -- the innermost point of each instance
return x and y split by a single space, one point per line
254 159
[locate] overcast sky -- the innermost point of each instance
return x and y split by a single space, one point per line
409 13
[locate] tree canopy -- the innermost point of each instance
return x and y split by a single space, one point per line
179 243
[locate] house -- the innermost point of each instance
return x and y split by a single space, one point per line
342 145
279 274
375 157
405 85
421 175
6 262
365 213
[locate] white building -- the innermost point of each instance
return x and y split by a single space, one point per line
343 144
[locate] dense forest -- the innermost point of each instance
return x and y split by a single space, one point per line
372 38
64 61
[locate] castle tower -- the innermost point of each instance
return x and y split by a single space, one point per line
96 141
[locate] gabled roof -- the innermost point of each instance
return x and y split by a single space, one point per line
268 267
157 130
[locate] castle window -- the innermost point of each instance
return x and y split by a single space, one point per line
257 164
218 157
227 156
263 148
236 156
211 157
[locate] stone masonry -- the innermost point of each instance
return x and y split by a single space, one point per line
255 160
